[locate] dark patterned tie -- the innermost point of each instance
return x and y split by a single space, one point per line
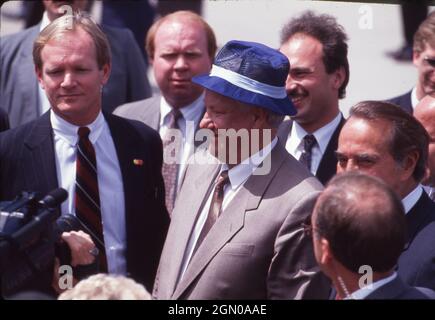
170 170
309 142
215 207
87 197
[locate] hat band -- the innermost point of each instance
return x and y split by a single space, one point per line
248 83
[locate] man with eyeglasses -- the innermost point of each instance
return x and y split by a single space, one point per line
382 140
424 60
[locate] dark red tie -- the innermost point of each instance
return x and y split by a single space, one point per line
87 197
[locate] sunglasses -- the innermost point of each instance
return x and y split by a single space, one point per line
430 61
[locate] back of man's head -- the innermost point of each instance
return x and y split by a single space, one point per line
363 220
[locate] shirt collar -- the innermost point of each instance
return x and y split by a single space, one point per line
411 199
44 22
414 99
322 134
240 173
191 112
68 131
365 291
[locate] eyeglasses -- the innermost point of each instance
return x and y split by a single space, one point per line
430 61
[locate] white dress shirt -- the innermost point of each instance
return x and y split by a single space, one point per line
192 114
111 188
295 145
237 177
411 199
363 292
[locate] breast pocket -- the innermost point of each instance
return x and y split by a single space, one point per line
238 249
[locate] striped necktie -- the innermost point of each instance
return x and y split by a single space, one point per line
87 197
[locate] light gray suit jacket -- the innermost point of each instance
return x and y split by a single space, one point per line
146 111
256 249
19 95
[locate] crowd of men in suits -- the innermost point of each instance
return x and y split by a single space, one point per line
244 223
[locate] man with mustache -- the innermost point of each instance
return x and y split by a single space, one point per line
424 59
319 72
179 46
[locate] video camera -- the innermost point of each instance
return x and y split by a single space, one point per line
27 238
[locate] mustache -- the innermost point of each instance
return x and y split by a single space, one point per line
297 92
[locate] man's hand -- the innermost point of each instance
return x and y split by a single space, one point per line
81 246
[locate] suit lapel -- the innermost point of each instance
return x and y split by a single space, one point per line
284 131
328 164
418 216
41 148
231 220
150 113
184 219
126 144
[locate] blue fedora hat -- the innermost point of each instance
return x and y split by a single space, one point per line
252 73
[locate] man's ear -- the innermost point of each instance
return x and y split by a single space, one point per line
260 118
416 58
409 163
326 253
338 78
106 73
38 73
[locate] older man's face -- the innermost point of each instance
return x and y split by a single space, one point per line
364 145
224 114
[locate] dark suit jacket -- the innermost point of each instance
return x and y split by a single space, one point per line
19 86
4 120
328 165
403 101
417 262
27 162
397 289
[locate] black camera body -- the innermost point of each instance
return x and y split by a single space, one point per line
27 241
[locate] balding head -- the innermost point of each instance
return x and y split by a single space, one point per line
425 113
363 220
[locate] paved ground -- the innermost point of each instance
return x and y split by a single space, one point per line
373 30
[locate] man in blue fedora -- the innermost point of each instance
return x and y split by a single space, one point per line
236 229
